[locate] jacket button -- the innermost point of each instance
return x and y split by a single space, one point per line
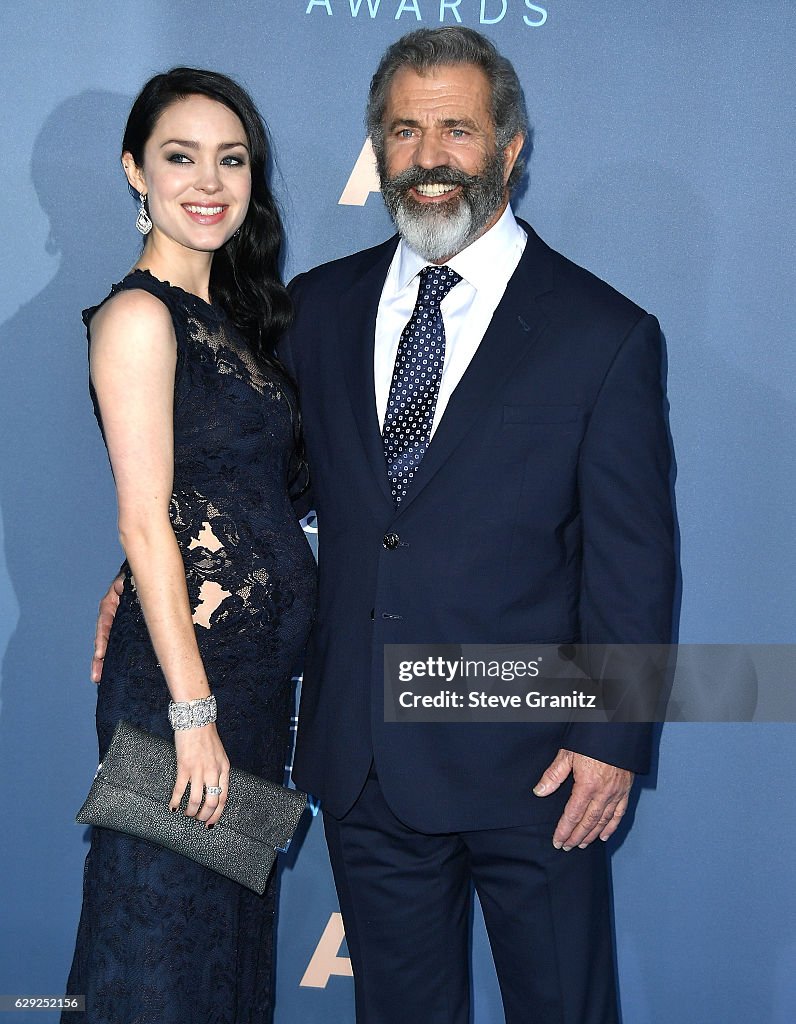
391 541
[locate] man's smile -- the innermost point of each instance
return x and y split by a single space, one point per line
435 191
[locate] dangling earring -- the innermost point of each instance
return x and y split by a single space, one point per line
143 222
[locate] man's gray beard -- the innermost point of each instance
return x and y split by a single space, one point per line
433 235
440 230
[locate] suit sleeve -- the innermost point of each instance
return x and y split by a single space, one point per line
287 352
287 343
628 568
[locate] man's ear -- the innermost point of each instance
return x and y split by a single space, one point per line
510 154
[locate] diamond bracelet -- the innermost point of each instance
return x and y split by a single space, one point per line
192 714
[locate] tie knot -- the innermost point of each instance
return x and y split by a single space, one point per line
435 283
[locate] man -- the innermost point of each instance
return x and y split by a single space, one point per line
538 511
489 465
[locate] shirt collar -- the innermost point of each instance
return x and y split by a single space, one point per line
480 264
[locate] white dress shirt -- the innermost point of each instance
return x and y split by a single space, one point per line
485 267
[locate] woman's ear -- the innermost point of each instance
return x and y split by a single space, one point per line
135 174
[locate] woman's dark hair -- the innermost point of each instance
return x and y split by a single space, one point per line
244 278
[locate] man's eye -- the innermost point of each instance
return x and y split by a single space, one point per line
458 133
405 133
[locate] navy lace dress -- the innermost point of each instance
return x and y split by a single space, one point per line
161 939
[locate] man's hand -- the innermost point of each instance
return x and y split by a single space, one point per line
596 804
107 613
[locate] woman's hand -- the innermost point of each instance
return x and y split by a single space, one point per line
202 761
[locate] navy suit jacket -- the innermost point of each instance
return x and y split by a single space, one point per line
541 513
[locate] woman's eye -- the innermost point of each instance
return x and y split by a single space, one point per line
233 161
178 158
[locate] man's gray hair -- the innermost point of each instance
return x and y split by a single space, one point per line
434 47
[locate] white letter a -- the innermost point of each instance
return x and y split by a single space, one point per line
364 179
324 961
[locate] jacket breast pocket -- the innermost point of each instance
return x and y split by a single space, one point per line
539 415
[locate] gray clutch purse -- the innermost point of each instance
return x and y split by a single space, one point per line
131 793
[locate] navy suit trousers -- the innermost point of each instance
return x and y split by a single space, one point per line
405 897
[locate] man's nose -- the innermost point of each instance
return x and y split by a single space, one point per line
430 152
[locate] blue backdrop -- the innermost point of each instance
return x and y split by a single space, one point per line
663 162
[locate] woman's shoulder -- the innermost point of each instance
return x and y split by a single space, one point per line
130 308
139 294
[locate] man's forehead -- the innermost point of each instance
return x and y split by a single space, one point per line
457 86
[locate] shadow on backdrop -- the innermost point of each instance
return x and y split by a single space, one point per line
664 250
734 416
58 508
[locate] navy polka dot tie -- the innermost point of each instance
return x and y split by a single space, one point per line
415 381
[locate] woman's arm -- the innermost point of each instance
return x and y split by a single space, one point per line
133 362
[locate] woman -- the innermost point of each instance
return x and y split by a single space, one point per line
200 424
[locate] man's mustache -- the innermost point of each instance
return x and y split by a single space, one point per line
442 175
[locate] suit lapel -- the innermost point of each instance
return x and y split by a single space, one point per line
358 309
515 325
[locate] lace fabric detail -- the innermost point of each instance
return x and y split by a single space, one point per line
150 936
